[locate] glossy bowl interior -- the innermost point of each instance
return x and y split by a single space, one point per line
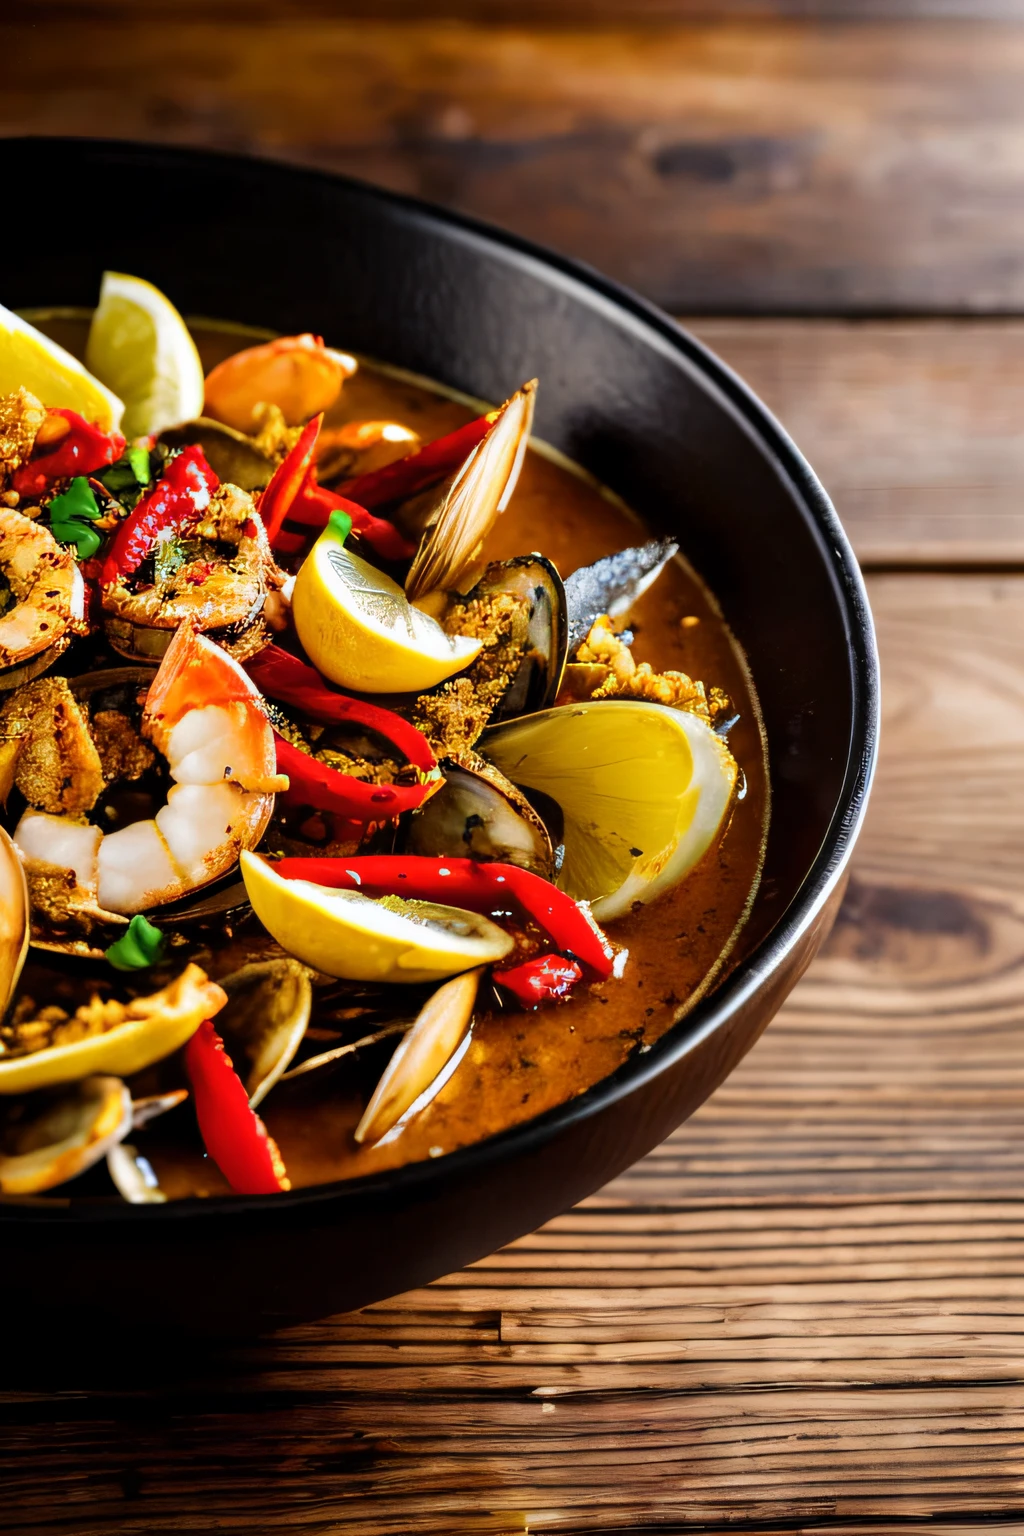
653 415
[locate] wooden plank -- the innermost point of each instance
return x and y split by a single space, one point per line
913 426
805 1311
736 165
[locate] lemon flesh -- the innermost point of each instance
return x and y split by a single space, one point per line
359 629
31 360
644 790
140 346
346 934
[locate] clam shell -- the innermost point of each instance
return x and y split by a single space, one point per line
14 919
54 1135
479 492
264 1020
480 813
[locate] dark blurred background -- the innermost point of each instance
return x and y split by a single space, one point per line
840 156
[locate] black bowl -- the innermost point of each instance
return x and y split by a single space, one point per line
651 413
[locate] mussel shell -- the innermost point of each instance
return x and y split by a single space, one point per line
264 1020
14 919
53 1135
479 814
233 457
611 586
535 685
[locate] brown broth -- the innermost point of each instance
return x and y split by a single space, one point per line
519 1064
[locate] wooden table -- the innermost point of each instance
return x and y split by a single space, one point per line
804 1312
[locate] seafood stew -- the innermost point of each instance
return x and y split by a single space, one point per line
370 771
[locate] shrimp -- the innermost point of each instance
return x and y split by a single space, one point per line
216 575
207 720
298 374
42 598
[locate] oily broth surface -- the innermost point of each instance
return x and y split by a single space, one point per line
518 1065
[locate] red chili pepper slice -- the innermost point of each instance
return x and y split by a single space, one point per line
418 471
81 451
286 482
315 503
180 497
285 678
234 1136
324 788
482 888
544 979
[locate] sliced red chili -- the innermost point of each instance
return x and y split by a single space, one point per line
234 1136
315 503
81 450
275 503
317 784
486 888
288 680
418 471
180 497
544 979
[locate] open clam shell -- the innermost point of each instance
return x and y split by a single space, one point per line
480 813
479 492
546 641
49 1137
14 919
264 1020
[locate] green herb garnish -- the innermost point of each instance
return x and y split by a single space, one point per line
71 514
139 947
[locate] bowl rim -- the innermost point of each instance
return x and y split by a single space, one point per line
711 1012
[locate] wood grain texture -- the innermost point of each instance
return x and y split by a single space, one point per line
915 427
732 165
805 1311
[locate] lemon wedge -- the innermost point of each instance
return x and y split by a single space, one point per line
140 346
644 791
30 359
359 629
346 934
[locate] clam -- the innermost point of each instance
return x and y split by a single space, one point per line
234 458
611 586
545 642
14 920
105 1035
264 1020
628 835
47 1138
132 1175
480 813
424 1059
473 500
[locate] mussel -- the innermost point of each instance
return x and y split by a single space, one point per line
611 586
14 919
480 813
234 458
264 1020
49 1137
536 682
627 835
